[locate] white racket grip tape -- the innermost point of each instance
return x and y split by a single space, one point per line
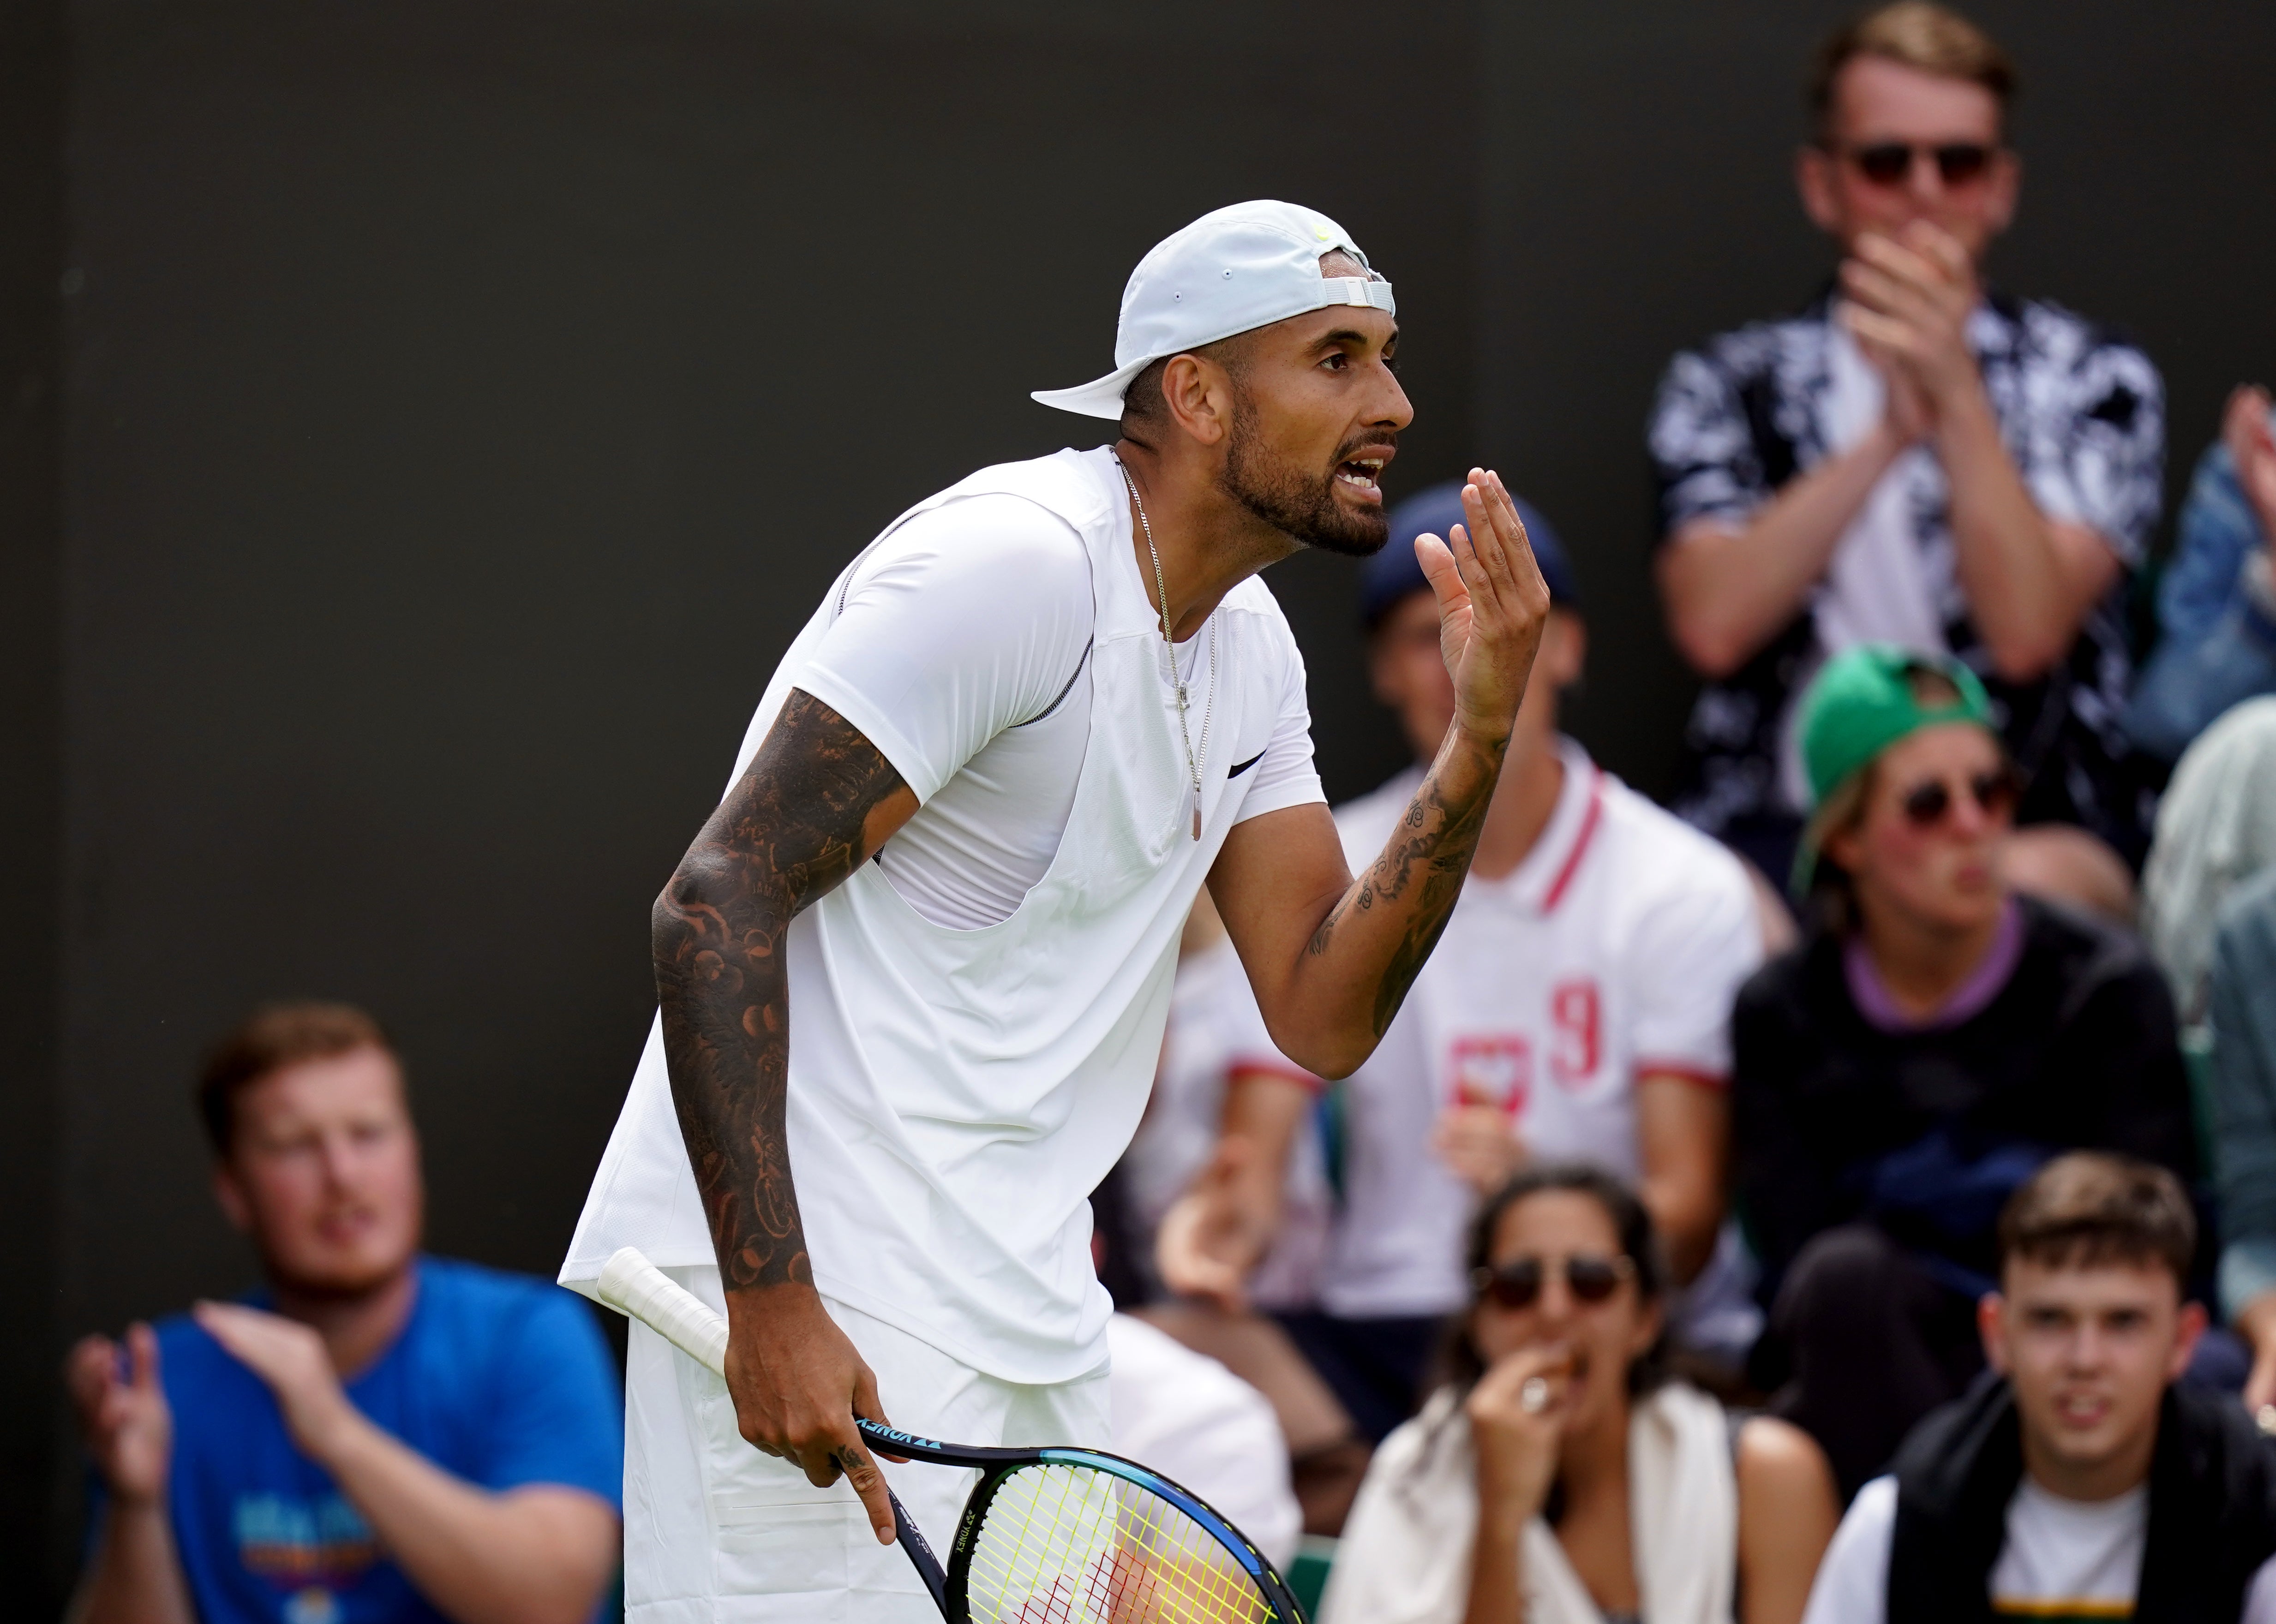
634 1287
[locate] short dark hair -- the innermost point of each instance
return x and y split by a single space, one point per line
271 1039
1143 403
1918 34
2093 1207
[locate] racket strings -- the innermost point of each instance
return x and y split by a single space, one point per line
1069 1545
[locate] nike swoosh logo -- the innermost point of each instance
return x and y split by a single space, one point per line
1237 768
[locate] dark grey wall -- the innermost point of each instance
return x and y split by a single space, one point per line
465 402
468 403
32 75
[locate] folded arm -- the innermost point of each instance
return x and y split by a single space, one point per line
1729 586
2029 580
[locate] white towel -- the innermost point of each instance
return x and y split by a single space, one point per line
1405 1558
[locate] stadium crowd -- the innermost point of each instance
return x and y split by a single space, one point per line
1846 1193
1805 1154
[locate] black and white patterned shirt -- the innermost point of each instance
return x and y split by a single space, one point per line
2081 414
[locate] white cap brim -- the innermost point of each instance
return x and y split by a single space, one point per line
1102 398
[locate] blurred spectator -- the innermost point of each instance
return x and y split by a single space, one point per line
2243 1010
1576 1006
1193 1420
1559 1476
2216 827
1220 1073
1221 1088
378 1435
2083 1483
1932 1042
1916 458
2217 604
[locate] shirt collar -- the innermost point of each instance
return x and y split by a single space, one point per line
1874 1001
1539 882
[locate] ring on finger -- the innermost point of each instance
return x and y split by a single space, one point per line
1533 1397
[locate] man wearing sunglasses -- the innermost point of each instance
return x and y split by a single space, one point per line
1916 458
1934 1041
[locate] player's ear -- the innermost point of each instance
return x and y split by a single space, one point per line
1198 393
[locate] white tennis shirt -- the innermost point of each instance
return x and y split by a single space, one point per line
974 1018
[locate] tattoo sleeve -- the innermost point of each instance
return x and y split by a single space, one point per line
1427 855
793 826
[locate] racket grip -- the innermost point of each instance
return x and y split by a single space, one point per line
634 1287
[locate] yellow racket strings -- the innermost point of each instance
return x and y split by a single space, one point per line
1068 1544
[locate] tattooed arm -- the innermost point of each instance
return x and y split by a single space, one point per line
1331 957
817 801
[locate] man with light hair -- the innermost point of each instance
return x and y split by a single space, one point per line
913 971
1916 458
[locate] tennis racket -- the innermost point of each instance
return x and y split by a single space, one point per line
1048 1536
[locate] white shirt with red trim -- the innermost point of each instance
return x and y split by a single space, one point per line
1613 951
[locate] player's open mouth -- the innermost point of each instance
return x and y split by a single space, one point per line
1359 475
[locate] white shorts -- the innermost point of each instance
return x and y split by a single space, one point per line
717 1533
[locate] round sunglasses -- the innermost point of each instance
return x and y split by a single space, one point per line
1995 792
1890 163
1517 1283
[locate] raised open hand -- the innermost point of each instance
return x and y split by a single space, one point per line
125 1421
1492 605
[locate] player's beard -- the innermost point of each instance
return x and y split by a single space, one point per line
1291 500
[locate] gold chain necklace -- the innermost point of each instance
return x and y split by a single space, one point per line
1194 759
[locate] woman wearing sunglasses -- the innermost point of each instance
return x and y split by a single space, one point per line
1933 1041
1559 1476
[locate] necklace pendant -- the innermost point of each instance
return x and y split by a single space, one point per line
1198 814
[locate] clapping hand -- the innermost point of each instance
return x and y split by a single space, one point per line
2251 442
125 1418
1906 301
291 1359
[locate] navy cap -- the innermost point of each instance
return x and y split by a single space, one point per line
1392 576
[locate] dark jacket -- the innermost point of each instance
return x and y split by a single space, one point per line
1928 1132
2213 1509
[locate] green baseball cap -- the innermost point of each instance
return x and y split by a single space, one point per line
1861 703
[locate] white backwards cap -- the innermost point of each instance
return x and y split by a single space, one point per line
1230 271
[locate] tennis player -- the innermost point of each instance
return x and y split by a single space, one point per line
972 812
